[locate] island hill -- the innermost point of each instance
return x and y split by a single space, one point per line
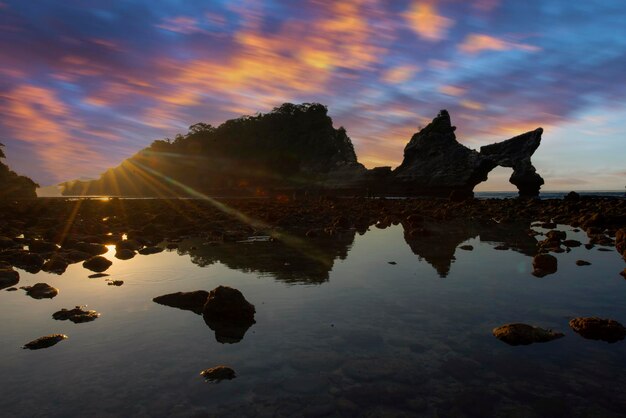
296 149
12 185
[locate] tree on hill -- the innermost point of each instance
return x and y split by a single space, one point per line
13 185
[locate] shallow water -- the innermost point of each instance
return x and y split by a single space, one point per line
339 332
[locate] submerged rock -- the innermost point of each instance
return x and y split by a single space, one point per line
523 334
8 277
45 342
76 315
115 282
217 374
41 291
544 264
228 313
189 301
582 263
98 275
467 247
97 264
594 328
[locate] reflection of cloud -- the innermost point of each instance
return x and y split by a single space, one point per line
35 115
424 20
475 43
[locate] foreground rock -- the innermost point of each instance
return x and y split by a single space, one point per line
45 342
41 291
124 254
594 328
8 277
544 264
217 374
523 334
97 264
228 313
150 250
56 264
76 315
189 301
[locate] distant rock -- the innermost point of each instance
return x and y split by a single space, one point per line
217 374
97 264
594 328
189 301
582 263
436 164
467 247
77 315
45 342
523 334
41 291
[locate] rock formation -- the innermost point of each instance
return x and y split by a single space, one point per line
436 164
295 148
13 185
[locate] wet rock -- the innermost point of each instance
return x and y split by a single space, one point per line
90 248
393 263
594 328
98 275
77 315
571 243
6 242
582 263
8 277
36 246
75 256
501 247
556 235
150 250
467 247
45 342
124 254
41 291
129 244
623 273
11 289
523 334
171 246
115 282
189 301
31 262
97 264
228 313
544 264
217 374
56 264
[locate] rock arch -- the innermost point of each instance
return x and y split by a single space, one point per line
435 163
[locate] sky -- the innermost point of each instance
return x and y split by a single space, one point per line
86 84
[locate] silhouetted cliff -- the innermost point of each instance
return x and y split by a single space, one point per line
294 146
13 185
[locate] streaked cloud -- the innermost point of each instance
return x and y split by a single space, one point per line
476 43
424 19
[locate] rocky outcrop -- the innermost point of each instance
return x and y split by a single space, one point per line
435 163
12 185
594 328
45 341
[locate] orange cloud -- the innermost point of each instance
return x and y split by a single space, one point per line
476 43
35 115
452 90
423 18
399 74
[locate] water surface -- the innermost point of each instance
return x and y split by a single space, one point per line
342 332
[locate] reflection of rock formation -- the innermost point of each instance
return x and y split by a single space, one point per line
436 164
306 261
437 243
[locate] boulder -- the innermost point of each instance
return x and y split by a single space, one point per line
8 277
124 254
544 264
217 374
189 301
97 264
228 313
523 334
45 342
76 315
582 263
41 291
594 328
56 264
150 250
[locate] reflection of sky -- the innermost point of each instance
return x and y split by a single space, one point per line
82 87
